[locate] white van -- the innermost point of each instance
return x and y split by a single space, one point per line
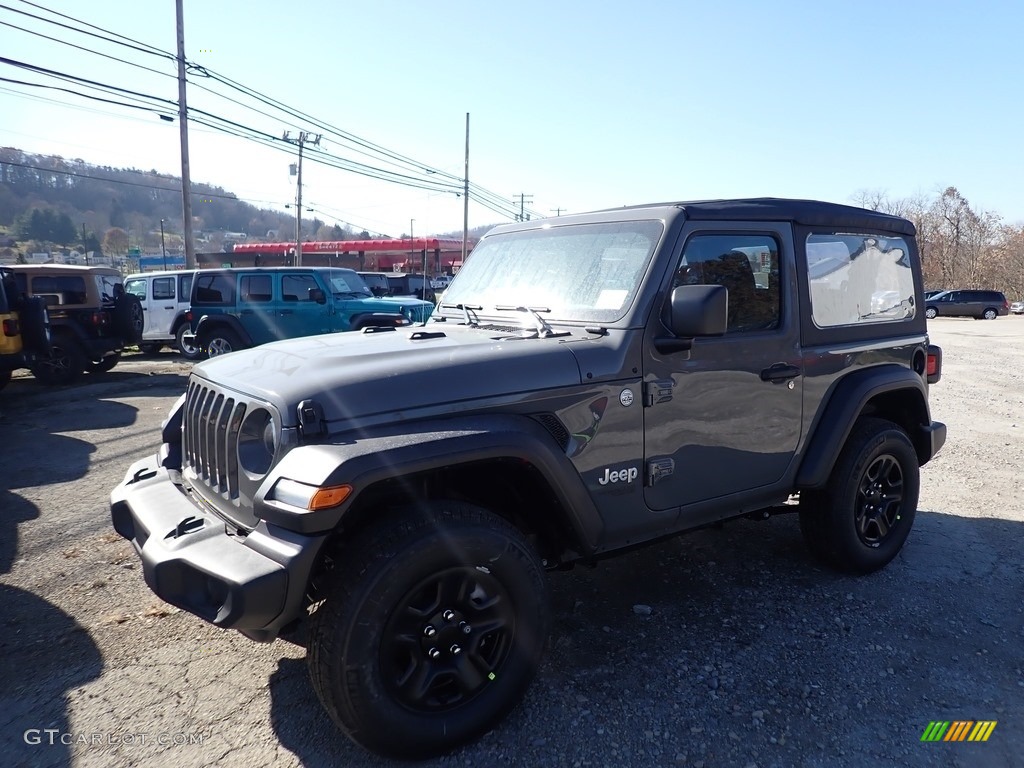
165 299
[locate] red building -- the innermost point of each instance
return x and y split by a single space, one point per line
437 255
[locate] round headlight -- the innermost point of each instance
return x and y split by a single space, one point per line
257 442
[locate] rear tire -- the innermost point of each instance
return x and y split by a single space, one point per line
990 314
221 341
433 626
860 520
150 348
35 325
63 365
931 313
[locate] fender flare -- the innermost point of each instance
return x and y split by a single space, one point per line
213 321
846 403
424 446
362 320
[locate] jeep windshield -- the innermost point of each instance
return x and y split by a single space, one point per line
348 285
586 273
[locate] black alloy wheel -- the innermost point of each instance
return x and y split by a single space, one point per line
879 500
447 638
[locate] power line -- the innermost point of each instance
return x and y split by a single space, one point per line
483 196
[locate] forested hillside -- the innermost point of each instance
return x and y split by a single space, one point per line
51 201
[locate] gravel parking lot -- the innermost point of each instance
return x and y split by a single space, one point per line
728 647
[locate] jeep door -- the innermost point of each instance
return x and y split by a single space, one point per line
723 418
306 308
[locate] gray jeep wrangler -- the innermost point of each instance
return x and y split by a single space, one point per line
587 384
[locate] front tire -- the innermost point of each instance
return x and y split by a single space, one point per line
432 628
104 364
931 313
860 520
186 343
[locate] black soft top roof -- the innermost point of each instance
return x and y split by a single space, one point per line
812 213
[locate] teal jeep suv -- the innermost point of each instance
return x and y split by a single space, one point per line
237 308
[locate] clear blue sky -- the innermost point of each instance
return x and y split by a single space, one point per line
581 105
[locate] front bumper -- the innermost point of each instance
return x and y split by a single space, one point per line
254 582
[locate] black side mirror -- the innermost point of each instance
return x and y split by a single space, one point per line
317 295
695 310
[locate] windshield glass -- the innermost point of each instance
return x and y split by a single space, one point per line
348 283
583 272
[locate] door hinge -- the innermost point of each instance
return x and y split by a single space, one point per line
659 469
658 391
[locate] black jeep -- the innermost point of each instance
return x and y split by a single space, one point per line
587 384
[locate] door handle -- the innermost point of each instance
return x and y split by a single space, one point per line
780 372
287 311
169 307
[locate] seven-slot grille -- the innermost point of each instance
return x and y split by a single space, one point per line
212 422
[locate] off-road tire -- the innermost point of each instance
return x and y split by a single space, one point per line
63 365
189 351
220 341
104 364
129 320
384 628
859 521
35 325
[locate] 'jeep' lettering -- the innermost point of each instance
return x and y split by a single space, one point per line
627 475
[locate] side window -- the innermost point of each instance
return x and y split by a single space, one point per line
748 265
253 288
859 278
297 287
136 288
163 288
184 287
216 288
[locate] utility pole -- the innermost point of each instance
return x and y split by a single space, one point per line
558 211
301 140
465 197
85 253
163 248
523 200
186 181
412 243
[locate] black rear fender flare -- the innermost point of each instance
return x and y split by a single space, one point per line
210 322
889 391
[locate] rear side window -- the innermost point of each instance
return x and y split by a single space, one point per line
185 286
163 287
859 278
216 288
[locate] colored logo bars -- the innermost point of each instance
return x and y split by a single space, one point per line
958 730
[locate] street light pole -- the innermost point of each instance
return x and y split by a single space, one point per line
412 243
163 248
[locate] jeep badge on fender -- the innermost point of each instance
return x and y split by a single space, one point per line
397 497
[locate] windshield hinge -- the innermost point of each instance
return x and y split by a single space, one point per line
311 418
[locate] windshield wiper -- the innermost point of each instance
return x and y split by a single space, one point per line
466 309
540 324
